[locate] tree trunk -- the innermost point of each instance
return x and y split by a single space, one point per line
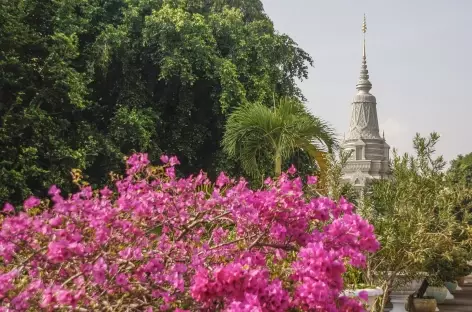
278 164
385 297
387 289
423 288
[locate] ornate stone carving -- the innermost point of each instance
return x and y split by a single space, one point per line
357 167
364 123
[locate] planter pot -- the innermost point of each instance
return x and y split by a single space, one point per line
449 295
439 293
399 300
461 281
399 296
451 286
373 294
388 307
468 279
424 305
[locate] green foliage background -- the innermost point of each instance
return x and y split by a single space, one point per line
460 171
85 82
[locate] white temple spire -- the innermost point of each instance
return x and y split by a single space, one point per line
370 158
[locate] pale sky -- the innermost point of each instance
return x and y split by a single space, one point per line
419 56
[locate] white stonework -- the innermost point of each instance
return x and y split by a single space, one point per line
370 152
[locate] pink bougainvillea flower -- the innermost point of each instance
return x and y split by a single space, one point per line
7 208
173 161
311 180
364 295
31 202
222 180
292 170
164 159
161 243
54 190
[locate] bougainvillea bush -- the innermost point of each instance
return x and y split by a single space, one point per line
159 243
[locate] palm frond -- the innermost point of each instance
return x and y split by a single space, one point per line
303 129
249 132
254 129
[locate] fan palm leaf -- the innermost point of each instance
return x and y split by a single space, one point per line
255 130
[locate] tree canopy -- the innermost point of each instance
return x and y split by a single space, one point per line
84 83
460 171
415 218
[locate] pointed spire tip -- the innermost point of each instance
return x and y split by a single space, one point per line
364 30
363 84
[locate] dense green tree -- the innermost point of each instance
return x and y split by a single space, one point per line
85 82
42 93
460 171
256 132
414 215
459 177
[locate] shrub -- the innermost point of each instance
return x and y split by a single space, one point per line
159 243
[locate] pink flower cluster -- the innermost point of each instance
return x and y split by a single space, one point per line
246 280
159 243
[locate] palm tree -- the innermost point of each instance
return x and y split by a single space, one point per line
255 132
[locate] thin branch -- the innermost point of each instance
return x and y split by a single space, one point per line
195 222
256 240
278 246
72 278
227 243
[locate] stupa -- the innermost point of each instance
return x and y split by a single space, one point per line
369 158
